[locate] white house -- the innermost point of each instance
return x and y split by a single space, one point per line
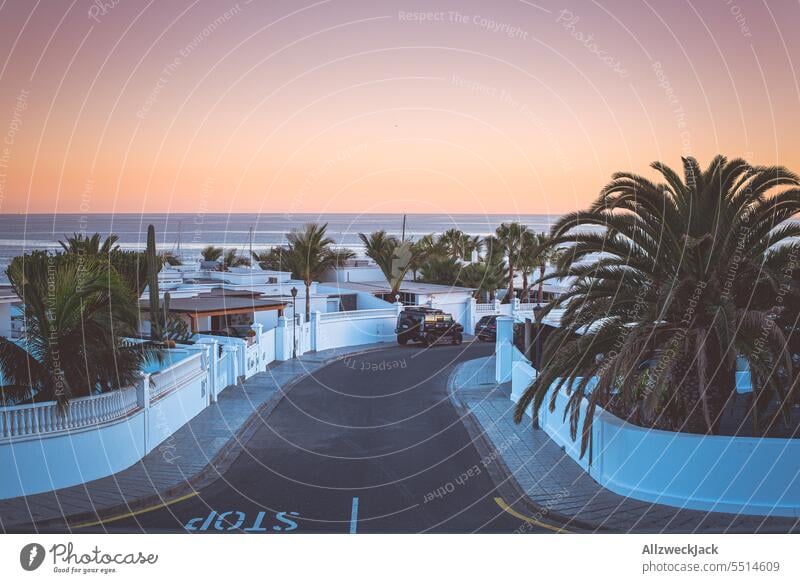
452 299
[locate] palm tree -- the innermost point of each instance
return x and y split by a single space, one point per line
683 276
493 250
340 255
485 277
211 253
82 244
393 258
457 244
510 238
78 313
422 250
131 266
311 254
273 259
231 258
169 258
441 270
544 254
527 261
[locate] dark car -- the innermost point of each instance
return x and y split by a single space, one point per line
486 329
427 325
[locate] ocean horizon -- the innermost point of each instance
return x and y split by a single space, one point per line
22 233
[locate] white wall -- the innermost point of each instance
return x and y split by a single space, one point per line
354 274
759 476
354 328
40 462
268 347
34 465
267 318
504 349
456 304
364 300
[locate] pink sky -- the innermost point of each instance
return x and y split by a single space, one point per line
421 106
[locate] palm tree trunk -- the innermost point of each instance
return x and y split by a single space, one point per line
308 300
722 386
524 285
684 411
540 295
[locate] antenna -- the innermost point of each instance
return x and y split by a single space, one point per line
403 238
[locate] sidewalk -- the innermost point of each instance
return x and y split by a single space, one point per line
556 487
194 456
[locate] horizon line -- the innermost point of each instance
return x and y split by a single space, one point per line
288 214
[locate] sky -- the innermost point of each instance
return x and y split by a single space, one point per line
425 106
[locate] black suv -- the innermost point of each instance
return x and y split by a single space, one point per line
427 325
486 329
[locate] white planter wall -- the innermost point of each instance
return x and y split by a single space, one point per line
92 441
759 476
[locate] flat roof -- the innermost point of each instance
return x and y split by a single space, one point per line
221 301
410 287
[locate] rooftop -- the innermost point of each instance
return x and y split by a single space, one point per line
221 301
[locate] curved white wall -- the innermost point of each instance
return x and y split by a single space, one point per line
759 476
41 462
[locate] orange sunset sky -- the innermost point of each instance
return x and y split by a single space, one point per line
375 106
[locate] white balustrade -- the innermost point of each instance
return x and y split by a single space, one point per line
45 418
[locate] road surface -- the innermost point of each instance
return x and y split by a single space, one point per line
370 444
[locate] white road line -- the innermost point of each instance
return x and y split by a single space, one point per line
354 515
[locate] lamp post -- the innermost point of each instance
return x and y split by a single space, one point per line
294 322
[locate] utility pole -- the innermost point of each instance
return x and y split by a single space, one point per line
251 243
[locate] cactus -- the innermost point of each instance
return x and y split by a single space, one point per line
164 327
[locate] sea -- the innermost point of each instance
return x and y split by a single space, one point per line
189 233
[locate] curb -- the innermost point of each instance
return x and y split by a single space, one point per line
501 475
211 472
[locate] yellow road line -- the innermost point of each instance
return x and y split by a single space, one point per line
506 508
137 512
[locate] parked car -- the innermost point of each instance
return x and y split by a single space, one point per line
428 326
486 329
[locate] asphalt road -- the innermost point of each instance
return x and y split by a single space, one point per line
367 445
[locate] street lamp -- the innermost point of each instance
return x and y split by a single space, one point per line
294 322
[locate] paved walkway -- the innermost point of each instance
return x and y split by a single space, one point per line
557 487
196 455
